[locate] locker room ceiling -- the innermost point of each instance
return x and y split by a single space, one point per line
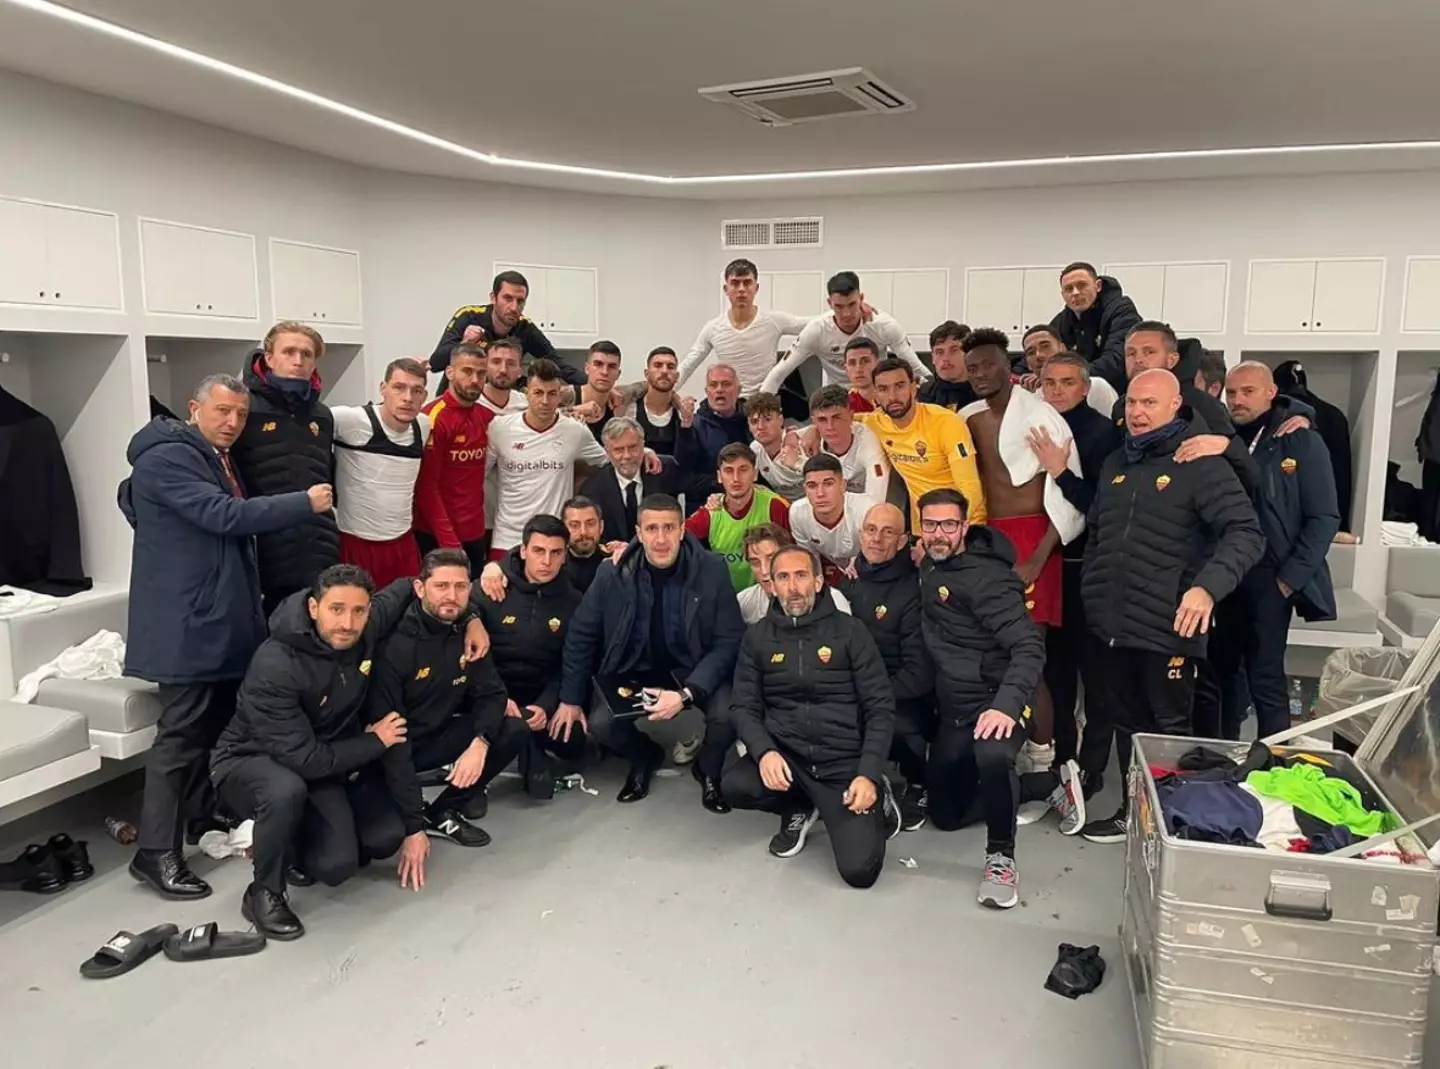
613 85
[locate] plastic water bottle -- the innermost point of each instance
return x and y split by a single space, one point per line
1297 700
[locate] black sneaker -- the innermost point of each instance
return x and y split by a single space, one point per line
914 808
452 826
890 809
1109 830
476 807
790 839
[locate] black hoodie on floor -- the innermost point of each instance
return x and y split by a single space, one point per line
986 651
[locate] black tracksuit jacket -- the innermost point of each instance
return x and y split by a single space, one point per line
1098 333
987 653
421 673
815 689
886 599
1095 439
527 631
286 447
1157 528
302 702
530 337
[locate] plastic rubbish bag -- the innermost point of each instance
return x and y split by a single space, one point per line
1354 675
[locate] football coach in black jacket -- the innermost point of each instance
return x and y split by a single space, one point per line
295 756
1096 318
885 597
527 612
453 708
195 618
988 657
286 446
1299 513
665 617
1167 541
815 709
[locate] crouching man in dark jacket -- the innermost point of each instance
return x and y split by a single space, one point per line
988 657
1298 513
815 709
453 708
296 759
885 597
526 608
662 623
1169 539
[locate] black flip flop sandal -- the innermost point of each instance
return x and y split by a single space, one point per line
125 951
205 941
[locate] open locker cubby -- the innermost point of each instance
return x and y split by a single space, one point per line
175 366
344 379
1415 373
83 383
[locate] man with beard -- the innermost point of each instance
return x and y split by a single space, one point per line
950 388
501 390
928 446
885 597
1096 320
1024 504
988 657
453 709
1168 540
1093 437
828 336
664 418
863 461
450 492
1299 515
663 623
284 448
503 317
815 710
378 452
761 545
583 519
619 486
527 615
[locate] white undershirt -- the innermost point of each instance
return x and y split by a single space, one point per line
866 467
751 351
374 494
788 482
536 470
823 339
755 603
838 544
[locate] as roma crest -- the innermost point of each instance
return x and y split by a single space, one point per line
625 692
920 449
824 653
880 611
1162 481
1288 465
944 593
315 428
554 623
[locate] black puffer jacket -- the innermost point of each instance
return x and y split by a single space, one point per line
987 653
886 599
286 446
527 631
815 689
1157 528
1098 333
302 702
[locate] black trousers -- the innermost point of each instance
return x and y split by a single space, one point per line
1248 652
624 737
1136 691
962 766
1205 708
444 746
914 728
478 549
177 779
1064 653
857 839
327 828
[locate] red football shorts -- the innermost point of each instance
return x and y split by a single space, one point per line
1042 597
399 558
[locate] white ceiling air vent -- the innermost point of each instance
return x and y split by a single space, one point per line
811 97
772 233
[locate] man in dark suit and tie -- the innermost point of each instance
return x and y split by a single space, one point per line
620 486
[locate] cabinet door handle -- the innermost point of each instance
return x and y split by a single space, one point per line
1318 323
42 293
57 295
1306 324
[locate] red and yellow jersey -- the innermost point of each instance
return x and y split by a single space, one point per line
450 491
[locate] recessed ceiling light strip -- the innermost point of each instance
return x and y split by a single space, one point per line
198 59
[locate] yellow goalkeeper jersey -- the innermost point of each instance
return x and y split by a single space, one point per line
934 451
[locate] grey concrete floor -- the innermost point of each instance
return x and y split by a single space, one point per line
590 935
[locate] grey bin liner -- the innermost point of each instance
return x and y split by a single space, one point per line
1356 674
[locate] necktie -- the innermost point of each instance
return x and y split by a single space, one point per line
632 510
230 473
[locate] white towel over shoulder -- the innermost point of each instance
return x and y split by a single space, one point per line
99 657
1024 413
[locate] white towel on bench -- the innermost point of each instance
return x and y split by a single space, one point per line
101 656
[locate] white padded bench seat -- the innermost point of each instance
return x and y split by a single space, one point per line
1352 614
118 705
1357 620
1413 602
1414 615
33 736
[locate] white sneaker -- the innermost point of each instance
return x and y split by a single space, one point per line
1000 886
685 750
1030 812
1068 800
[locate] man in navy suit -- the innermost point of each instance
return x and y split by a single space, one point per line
620 486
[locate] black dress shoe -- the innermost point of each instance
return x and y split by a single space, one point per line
194 829
637 784
298 877
168 874
73 857
37 870
710 796
270 913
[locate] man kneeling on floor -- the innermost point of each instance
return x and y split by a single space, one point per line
988 657
295 757
454 712
815 709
